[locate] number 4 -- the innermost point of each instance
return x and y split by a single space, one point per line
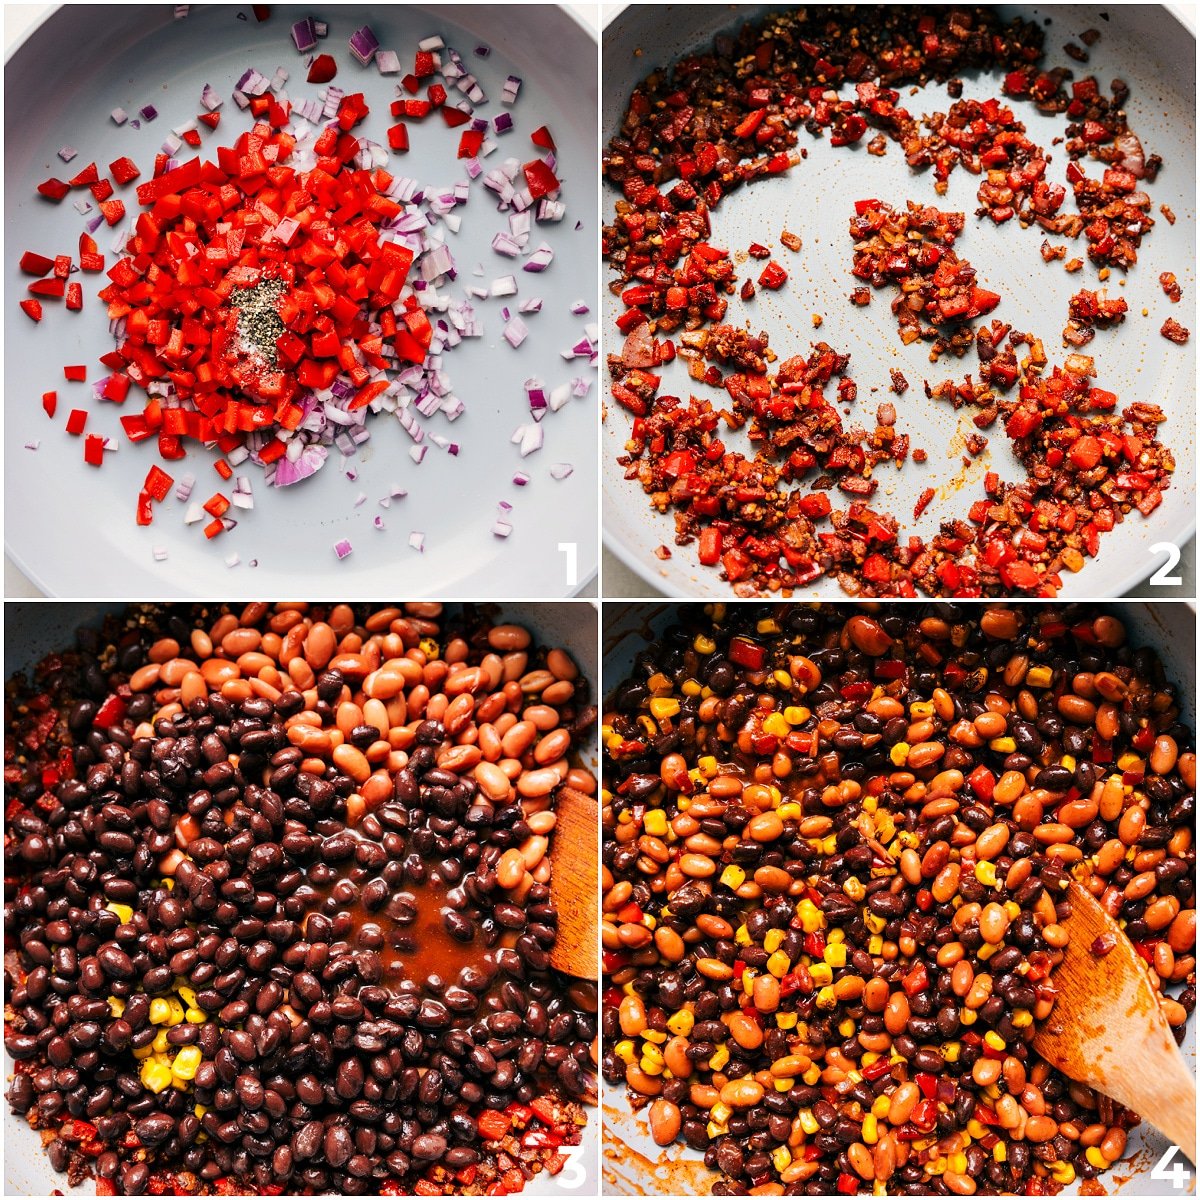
1178 1174
1163 577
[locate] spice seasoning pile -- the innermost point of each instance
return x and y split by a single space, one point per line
837 847
277 913
715 121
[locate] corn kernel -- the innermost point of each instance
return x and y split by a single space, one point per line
781 1157
733 877
195 1016
811 917
703 645
812 1076
648 727
958 1164
430 647
143 1051
719 1059
1094 1156
875 945
920 708
186 994
721 1112
822 973
900 754
657 1036
1013 909
826 999
200 1110
1129 762
807 1121
779 964
796 714
707 765
986 951
742 936
1022 1018
650 1067
985 872
653 1053
160 1010
784 1085
185 1063
681 1022
1000 1152
175 1014
160 1043
967 1016
870 1129
790 812
875 923
1039 677
775 724
123 911
785 1020
977 1129
663 709
715 1130
1068 761
993 1039
655 822
835 954
659 684
847 1029
1062 1172
951 1051
773 940
691 687
116 1006
1003 745
155 1075
625 1051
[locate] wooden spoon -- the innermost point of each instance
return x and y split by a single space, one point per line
1108 1031
575 883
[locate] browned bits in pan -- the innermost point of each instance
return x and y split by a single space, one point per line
847 835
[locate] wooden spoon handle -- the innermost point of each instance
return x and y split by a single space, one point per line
575 883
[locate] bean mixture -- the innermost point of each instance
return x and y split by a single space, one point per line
732 116
277 909
837 843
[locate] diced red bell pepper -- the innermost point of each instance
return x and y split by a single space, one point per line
36 264
53 189
50 403
76 421
32 308
398 137
540 179
323 69
74 296
541 137
773 276
747 654
158 483
113 211
123 170
93 450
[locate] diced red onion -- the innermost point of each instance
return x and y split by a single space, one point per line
183 489
506 285
363 44
321 28
483 51
32 445
512 86
561 470
431 43
360 499
280 78
531 439
148 113
181 11
502 122
520 479
416 540
136 124
501 529
532 305
550 210
119 116
540 259
160 553
304 34
506 244
232 559
194 513
579 308
560 396
379 523
83 206
66 153
515 332
417 453
342 548
388 62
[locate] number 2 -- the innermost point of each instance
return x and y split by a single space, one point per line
1163 577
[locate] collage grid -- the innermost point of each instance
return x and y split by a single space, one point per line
780 777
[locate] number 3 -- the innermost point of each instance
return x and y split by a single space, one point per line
572 1175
